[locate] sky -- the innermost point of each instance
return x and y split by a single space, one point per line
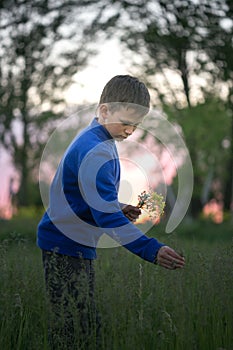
90 81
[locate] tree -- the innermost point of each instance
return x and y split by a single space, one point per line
172 43
42 47
219 48
208 126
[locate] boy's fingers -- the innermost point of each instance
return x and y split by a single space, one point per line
135 210
171 265
134 215
168 258
131 212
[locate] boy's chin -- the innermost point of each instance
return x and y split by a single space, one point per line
120 138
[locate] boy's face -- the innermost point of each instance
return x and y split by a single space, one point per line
121 123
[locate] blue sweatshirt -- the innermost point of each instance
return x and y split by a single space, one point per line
83 202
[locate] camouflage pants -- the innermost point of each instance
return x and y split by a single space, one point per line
73 322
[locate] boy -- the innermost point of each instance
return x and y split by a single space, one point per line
84 205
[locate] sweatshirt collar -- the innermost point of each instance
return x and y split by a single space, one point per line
102 131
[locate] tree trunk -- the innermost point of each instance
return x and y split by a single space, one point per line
182 65
23 194
228 191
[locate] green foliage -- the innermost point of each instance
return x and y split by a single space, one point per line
22 226
30 212
207 125
201 231
206 130
32 193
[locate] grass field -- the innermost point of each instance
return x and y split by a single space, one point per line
142 306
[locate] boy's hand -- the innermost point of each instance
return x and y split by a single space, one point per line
168 258
131 212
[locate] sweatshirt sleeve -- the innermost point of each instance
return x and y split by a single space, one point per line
99 188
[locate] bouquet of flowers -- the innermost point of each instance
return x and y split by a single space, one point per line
152 202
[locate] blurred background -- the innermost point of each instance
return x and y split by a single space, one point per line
56 56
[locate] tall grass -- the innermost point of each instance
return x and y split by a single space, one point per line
146 307
142 306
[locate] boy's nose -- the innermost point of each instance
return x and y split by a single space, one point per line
130 129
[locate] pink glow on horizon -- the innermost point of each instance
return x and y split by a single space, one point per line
166 161
214 210
169 168
7 173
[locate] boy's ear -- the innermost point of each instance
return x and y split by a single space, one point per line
103 110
